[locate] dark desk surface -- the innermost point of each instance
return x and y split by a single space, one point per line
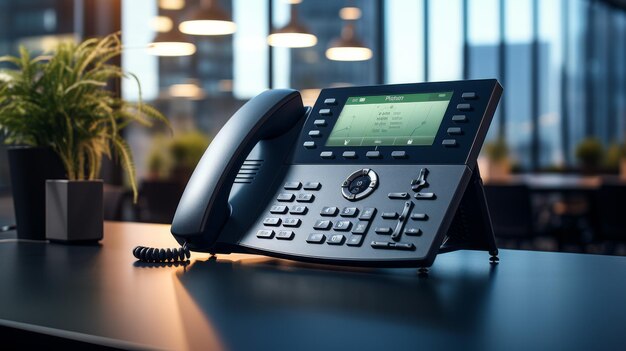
531 300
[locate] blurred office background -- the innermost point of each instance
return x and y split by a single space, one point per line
553 155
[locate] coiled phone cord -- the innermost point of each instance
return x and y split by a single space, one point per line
151 254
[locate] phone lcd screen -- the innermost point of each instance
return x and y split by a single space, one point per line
390 120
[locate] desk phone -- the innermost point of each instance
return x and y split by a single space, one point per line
381 176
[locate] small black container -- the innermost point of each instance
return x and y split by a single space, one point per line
30 167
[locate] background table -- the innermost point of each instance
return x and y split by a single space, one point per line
100 295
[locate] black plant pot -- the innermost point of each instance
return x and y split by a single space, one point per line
30 167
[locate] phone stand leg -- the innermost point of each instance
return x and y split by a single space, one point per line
494 259
422 272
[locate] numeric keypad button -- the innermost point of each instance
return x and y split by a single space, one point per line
298 210
265 234
291 222
367 214
278 209
304 197
329 211
322 224
342 226
349 212
285 197
360 228
271 221
285 235
316 238
336 239
355 240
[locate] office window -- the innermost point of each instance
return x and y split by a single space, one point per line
576 96
404 41
549 95
445 40
483 38
518 95
620 73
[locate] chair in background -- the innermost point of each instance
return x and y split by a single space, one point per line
511 214
610 216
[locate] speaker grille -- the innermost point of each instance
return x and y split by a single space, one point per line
248 171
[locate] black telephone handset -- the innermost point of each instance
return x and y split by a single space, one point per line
203 209
382 176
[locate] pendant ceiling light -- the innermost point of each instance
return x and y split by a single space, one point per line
348 47
208 19
292 35
171 4
172 43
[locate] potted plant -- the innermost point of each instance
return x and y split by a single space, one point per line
616 159
499 165
589 154
61 102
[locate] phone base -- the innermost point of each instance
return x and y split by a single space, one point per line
471 227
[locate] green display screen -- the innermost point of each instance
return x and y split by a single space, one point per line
390 120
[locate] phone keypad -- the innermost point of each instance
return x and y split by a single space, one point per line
345 226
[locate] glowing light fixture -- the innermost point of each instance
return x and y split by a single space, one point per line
350 13
171 4
190 90
172 43
348 47
161 24
208 19
292 35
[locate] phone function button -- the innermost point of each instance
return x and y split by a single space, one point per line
316 238
342 226
315 133
329 211
265 234
425 196
469 96
459 118
464 107
304 197
383 231
285 197
360 228
312 186
291 222
285 235
322 224
330 101
455 131
400 196
390 215
359 184
325 112
319 123
292 186
413 231
392 245
355 240
309 144
271 221
349 212
373 154
419 216
399 154
336 239
278 209
367 214
449 142
327 155
298 210
349 154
